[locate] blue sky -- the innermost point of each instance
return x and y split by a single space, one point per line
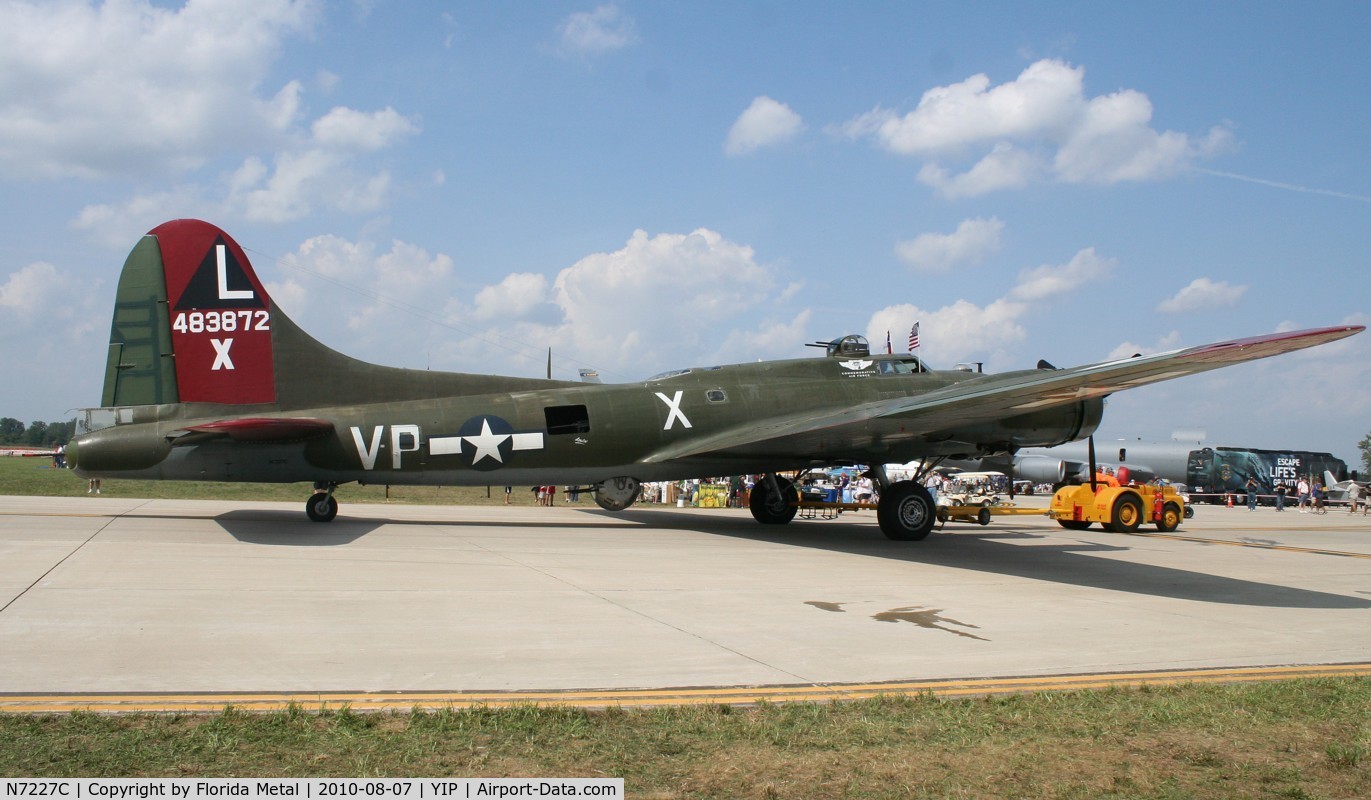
645 186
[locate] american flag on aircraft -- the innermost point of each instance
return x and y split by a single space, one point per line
914 338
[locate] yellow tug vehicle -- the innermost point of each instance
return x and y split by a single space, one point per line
1117 508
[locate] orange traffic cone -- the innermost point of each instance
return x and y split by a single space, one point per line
1230 501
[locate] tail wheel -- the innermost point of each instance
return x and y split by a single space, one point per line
773 508
906 512
1127 514
1171 518
321 507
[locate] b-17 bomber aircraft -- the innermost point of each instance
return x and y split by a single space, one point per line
207 379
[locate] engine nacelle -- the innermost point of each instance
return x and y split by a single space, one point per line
1046 427
1040 469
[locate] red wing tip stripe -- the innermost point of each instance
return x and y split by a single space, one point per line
1271 343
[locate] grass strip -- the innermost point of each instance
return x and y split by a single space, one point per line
1291 739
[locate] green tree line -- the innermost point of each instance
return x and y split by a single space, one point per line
36 433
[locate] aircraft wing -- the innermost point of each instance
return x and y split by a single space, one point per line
976 401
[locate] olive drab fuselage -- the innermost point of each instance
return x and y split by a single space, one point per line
206 379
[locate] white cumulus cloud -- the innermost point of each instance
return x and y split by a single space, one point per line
965 331
31 289
392 283
349 129
1202 294
1054 280
960 331
603 30
764 123
972 242
131 87
659 289
136 89
512 298
1039 126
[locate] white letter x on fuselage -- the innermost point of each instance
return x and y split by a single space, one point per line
674 406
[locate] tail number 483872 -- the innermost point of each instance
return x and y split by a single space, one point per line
226 321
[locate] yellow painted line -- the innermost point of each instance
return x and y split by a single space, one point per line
55 514
1286 548
644 698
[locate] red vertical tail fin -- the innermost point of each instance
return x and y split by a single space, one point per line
192 323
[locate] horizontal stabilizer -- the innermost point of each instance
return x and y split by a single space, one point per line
254 429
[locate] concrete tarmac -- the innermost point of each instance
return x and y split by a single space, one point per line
116 595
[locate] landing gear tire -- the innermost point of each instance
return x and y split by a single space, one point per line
1171 518
906 512
1127 514
321 507
771 508
983 516
617 494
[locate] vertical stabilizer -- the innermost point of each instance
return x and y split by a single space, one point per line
192 323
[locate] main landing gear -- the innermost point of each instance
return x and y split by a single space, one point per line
322 506
774 500
906 511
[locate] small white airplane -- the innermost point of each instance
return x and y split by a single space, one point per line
1337 490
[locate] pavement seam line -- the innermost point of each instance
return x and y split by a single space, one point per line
112 519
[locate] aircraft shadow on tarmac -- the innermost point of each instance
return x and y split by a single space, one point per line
288 529
292 529
990 550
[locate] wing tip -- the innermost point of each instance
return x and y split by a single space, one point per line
1271 344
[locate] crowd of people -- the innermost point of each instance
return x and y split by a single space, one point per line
1311 496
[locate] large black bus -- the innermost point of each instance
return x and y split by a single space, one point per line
1215 472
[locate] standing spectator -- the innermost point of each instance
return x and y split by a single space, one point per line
1280 496
1252 494
1302 488
1354 496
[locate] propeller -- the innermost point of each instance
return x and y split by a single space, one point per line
1090 453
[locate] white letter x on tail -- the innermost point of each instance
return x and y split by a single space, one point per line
221 355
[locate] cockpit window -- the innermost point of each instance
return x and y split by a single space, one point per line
904 366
